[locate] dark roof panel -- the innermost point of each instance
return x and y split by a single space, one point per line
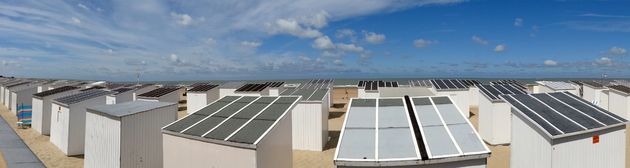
159 92
86 95
55 91
620 88
203 88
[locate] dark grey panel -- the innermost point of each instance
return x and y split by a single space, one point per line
318 95
489 91
273 112
288 92
204 126
441 100
227 128
554 118
532 115
289 100
184 123
607 118
305 93
458 84
422 101
212 108
254 108
364 103
515 89
390 102
251 132
568 111
502 89
235 107
448 84
438 85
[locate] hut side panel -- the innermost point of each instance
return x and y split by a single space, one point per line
582 151
102 141
142 137
183 152
528 148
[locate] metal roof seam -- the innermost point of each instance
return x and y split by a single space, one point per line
592 106
581 112
521 103
226 119
459 150
248 121
205 118
554 110
278 120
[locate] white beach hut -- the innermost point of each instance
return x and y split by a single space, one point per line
120 95
165 94
495 114
408 132
562 130
556 86
593 92
8 102
126 134
228 89
200 96
5 92
42 104
141 89
457 90
619 100
310 118
233 132
67 124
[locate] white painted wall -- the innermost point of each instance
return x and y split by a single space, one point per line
68 130
102 141
461 98
23 97
143 90
494 121
474 96
604 99
619 103
310 125
182 152
274 149
529 148
58 127
42 109
226 92
196 101
141 137
579 151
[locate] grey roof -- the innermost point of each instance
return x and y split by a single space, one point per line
449 84
55 91
307 94
233 120
128 108
492 92
17 84
406 132
232 85
557 85
79 97
561 114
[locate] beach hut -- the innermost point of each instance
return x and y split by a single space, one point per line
42 104
126 134
556 86
310 118
369 89
235 131
165 94
457 90
408 132
473 90
22 98
12 89
67 123
141 89
4 90
120 95
260 89
200 96
495 114
228 88
592 91
619 100
560 129
8 102
604 100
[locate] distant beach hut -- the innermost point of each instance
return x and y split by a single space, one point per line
67 128
619 100
593 91
235 131
457 90
560 129
126 134
556 86
310 118
141 89
4 90
120 95
495 114
165 94
228 88
42 104
200 96
24 100
8 102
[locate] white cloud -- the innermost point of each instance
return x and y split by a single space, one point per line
76 20
338 62
500 48
374 38
421 43
518 22
323 43
211 41
350 48
617 51
174 58
479 40
604 61
292 27
83 6
550 63
319 20
345 33
182 19
252 44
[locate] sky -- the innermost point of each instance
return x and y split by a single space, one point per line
287 39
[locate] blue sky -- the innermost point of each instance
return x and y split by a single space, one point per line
283 39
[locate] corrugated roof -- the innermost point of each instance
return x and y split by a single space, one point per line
128 108
621 88
55 91
420 83
448 84
232 85
593 84
557 85
492 92
159 92
86 95
561 113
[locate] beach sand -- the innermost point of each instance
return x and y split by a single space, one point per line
3 163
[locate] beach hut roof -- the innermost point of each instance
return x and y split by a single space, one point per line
159 92
492 92
55 91
203 88
128 108
85 95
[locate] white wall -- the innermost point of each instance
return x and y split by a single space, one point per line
494 121
195 101
310 125
181 152
274 150
102 141
604 99
110 99
142 90
579 151
42 109
69 131
461 98
59 127
141 143
474 96
618 103
226 92
529 148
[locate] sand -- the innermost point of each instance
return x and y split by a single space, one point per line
2 162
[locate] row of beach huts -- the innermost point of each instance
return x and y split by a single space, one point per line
388 123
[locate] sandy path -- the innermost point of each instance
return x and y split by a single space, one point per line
2 162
